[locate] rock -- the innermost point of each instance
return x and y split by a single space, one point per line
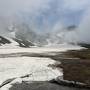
23 43
4 40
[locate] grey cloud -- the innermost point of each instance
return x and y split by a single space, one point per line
9 7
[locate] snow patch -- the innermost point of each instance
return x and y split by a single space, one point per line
37 67
45 49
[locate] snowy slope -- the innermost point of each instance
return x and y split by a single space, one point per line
11 44
6 42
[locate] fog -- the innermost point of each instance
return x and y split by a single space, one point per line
49 19
82 33
84 28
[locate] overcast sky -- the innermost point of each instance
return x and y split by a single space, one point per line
46 13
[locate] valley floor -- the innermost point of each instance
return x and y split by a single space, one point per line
18 65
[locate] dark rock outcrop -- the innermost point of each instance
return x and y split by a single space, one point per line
70 83
23 43
84 45
4 40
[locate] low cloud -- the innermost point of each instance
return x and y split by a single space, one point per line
84 28
47 15
9 7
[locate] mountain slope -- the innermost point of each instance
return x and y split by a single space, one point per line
14 42
4 41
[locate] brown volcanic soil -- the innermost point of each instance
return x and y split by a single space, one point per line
76 65
82 54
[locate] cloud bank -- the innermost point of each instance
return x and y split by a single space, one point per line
48 15
9 7
84 28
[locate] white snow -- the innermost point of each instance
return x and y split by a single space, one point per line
16 67
20 66
53 48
